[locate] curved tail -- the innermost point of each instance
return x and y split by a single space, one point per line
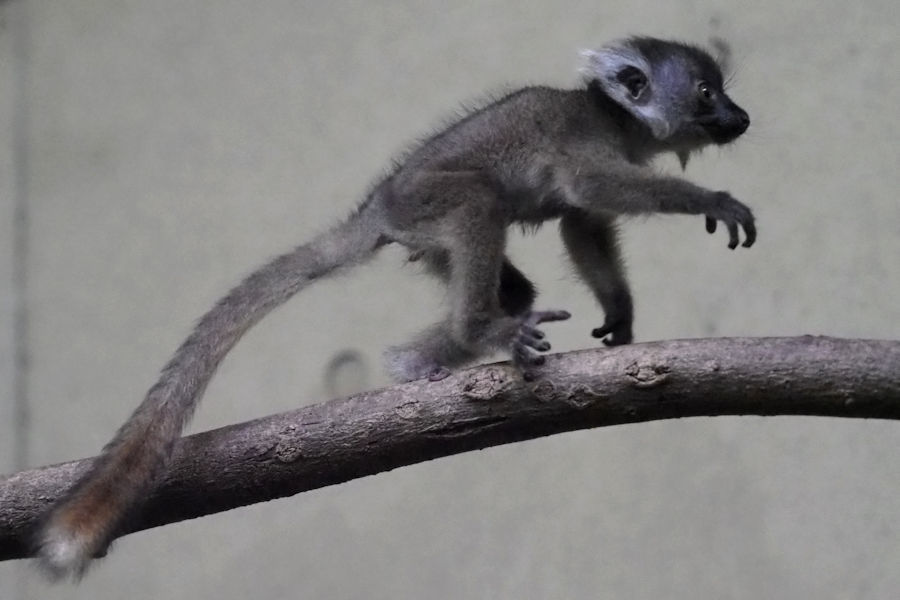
88 517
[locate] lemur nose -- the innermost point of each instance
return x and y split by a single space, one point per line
744 121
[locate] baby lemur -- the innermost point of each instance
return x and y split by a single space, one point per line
579 155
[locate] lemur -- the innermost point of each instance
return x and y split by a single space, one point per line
578 155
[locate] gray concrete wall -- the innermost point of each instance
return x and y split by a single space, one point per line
7 255
172 146
11 435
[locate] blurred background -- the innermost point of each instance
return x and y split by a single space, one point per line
152 153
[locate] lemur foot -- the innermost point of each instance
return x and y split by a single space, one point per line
530 340
619 332
733 214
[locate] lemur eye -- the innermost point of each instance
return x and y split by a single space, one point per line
705 90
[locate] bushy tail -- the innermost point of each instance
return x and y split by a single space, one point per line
88 518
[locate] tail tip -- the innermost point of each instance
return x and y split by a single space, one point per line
63 554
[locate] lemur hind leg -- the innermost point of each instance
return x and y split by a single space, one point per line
433 352
516 294
490 303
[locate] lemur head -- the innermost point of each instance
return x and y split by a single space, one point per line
675 89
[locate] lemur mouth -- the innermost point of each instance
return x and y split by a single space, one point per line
723 131
724 136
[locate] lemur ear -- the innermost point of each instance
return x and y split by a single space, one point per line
626 77
634 80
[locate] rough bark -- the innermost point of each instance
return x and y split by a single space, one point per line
377 431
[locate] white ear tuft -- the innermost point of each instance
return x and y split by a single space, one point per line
588 63
604 65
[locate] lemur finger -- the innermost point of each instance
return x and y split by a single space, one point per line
536 343
750 231
733 235
438 373
602 331
545 316
533 338
616 340
531 331
523 356
710 225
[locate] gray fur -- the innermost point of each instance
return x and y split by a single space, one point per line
537 154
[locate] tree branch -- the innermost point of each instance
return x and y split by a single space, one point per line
377 431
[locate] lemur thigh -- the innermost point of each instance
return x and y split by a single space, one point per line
516 293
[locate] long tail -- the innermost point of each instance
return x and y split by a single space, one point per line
88 518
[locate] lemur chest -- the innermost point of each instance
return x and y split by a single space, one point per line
535 196
534 206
